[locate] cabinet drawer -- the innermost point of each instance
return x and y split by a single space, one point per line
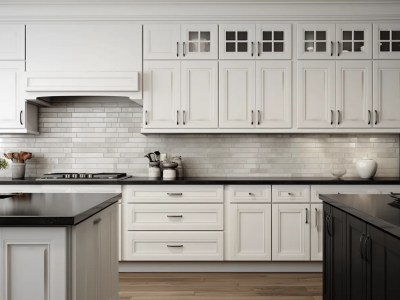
173 194
285 193
173 245
173 216
249 193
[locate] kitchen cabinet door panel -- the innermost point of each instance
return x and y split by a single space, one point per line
354 94
315 94
12 42
386 94
354 41
12 113
274 94
236 94
250 231
199 41
237 41
161 94
199 98
274 41
161 41
290 232
316 41
316 232
387 41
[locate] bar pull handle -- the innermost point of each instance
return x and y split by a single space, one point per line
332 45
252 48
20 117
369 117
177 49
338 117
145 117
97 221
258 117
316 218
361 246
338 49
331 116
177 117
376 117
174 246
184 117
306 215
174 194
174 216
252 117
259 48
184 49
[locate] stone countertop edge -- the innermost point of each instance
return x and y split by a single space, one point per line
209 181
374 221
57 221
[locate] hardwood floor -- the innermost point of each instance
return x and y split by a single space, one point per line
220 286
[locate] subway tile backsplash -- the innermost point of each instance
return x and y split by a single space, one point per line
103 134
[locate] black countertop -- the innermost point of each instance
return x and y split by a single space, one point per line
49 209
377 210
209 180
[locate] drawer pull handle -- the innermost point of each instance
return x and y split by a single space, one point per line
174 194
174 216
290 194
316 218
175 246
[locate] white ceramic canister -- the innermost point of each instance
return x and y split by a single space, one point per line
169 174
18 170
366 168
154 172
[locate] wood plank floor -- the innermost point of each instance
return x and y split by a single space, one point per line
220 286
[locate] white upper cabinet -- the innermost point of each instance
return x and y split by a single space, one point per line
274 94
161 94
199 97
316 41
250 41
237 94
12 42
315 94
354 41
274 41
237 41
199 41
161 41
175 41
12 103
354 94
386 106
387 41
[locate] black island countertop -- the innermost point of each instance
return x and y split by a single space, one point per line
210 180
48 209
377 210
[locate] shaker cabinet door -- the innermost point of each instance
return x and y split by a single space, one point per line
316 41
199 41
199 98
274 41
274 94
354 41
354 94
386 107
237 94
12 42
250 231
237 41
290 232
161 41
315 94
161 94
387 41
12 113
317 232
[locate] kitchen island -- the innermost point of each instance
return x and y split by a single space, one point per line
361 247
58 246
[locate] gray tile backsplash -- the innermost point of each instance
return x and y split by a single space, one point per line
103 134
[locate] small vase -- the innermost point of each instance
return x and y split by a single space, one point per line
18 170
366 168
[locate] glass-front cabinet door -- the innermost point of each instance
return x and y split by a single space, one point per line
354 41
200 41
274 41
387 41
237 41
316 41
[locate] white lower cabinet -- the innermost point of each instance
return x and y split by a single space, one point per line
290 232
250 231
173 245
317 229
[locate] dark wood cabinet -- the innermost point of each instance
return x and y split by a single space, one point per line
361 262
